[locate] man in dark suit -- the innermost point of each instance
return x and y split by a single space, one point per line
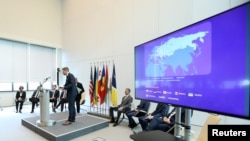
144 106
63 100
35 98
160 110
70 86
166 122
20 98
54 94
124 107
80 90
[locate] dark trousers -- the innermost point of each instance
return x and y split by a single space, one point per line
34 101
143 122
72 109
61 103
157 124
54 102
21 105
130 117
77 100
111 114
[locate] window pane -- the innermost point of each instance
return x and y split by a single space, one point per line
16 86
42 63
33 85
5 61
5 86
20 62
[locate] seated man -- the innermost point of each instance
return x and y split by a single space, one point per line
63 99
160 110
20 98
124 107
54 94
144 106
35 98
166 122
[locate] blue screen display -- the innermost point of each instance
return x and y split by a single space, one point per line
203 66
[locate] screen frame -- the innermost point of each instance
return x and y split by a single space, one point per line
185 106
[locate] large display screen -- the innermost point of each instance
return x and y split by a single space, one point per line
204 66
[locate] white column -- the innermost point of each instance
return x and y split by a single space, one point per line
44 110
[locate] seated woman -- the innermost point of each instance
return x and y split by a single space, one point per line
63 99
20 98
35 98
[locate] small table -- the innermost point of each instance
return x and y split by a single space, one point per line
156 135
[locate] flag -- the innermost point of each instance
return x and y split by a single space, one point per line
114 91
91 87
103 86
95 97
100 81
106 84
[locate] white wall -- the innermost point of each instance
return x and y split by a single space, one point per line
103 30
31 21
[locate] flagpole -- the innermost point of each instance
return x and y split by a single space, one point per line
89 88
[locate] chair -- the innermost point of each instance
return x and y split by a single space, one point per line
123 114
212 119
123 117
83 100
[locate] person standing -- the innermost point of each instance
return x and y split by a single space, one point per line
20 98
54 94
80 90
35 98
70 86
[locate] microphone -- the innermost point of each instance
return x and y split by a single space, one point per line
47 78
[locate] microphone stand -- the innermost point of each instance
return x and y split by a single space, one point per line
44 108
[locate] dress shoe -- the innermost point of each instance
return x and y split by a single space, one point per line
133 126
115 124
67 122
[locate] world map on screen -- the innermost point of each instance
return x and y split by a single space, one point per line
186 54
